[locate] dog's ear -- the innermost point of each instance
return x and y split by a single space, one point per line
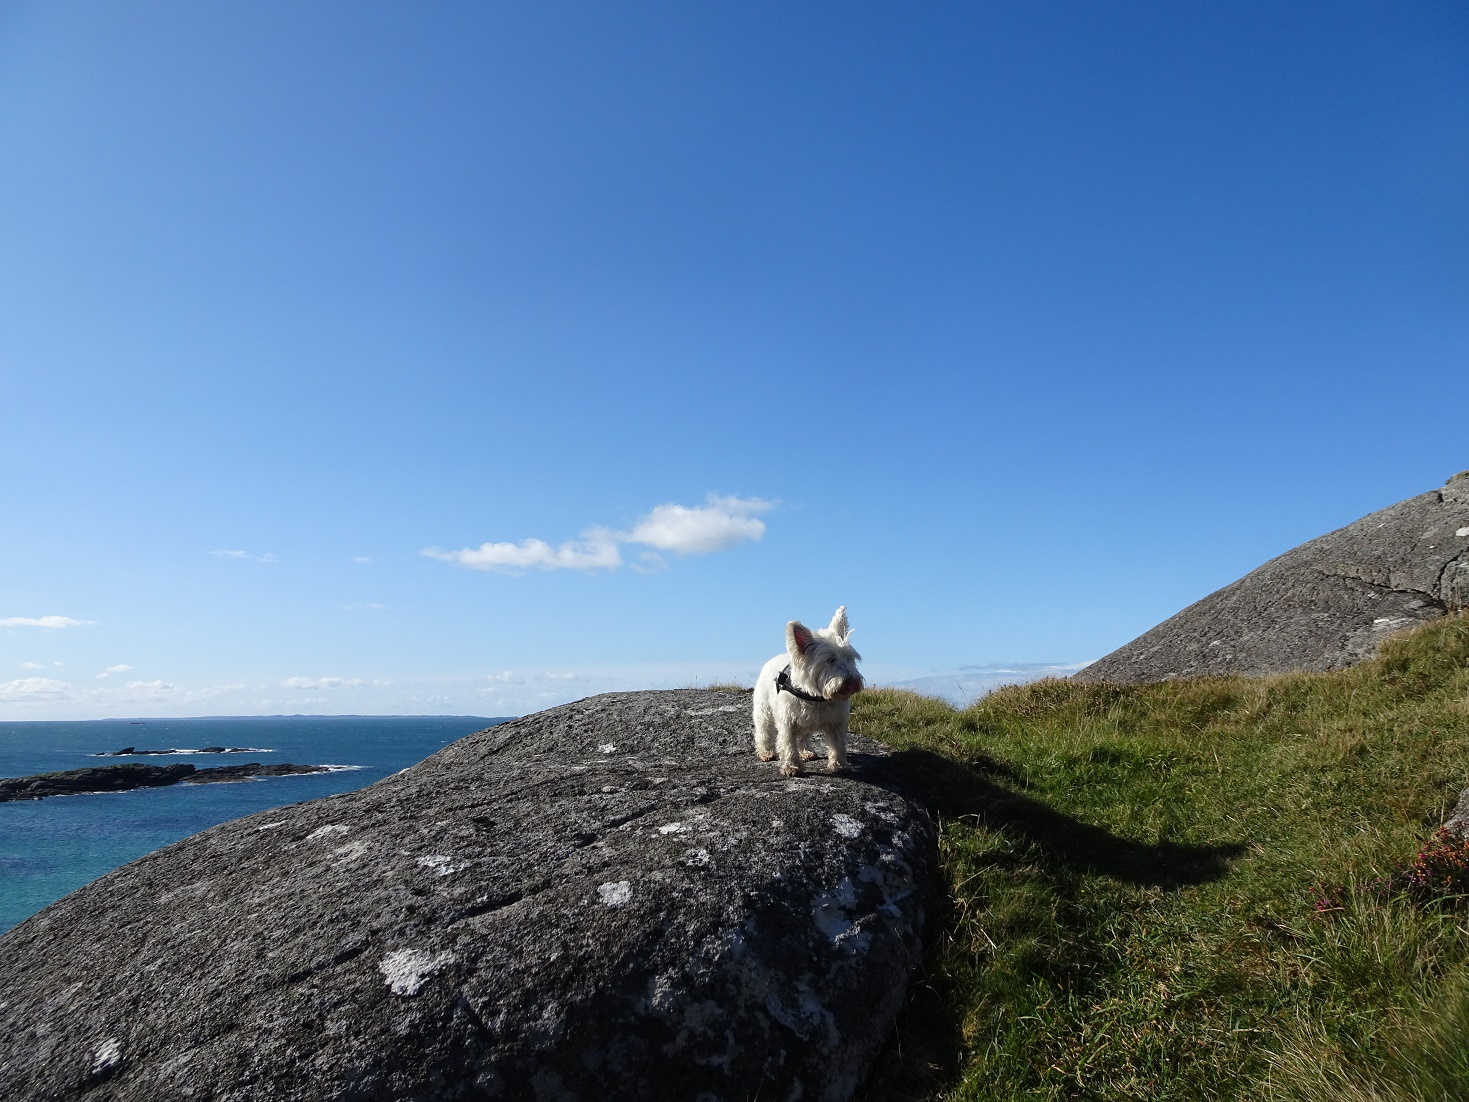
839 623
798 638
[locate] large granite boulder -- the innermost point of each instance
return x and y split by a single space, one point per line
1324 605
609 900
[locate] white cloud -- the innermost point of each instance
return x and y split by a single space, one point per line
150 688
717 525
222 553
42 622
323 682
596 550
33 689
362 560
33 665
121 667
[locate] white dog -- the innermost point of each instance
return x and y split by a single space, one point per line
807 689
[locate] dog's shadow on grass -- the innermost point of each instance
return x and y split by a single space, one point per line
923 1055
950 789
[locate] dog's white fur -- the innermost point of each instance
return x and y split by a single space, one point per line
823 664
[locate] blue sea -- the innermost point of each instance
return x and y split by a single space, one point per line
54 846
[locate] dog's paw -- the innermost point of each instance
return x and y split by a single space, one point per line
834 766
790 769
807 755
765 755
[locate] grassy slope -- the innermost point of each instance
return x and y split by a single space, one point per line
1135 881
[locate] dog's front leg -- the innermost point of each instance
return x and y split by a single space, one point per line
836 748
788 742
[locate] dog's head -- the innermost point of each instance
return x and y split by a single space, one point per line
824 660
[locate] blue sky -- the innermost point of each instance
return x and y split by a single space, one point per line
1014 327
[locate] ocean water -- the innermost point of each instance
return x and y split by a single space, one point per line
53 846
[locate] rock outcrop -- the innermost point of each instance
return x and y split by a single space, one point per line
120 778
611 900
134 752
1324 605
102 778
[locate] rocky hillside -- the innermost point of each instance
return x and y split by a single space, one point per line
612 899
1321 606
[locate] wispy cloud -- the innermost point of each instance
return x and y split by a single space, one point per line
29 690
33 665
964 685
42 622
596 550
244 556
323 682
717 525
151 690
121 667
211 691
362 560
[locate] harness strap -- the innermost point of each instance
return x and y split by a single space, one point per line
783 685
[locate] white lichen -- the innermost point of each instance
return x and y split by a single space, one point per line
614 893
407 970
106 1056
845 825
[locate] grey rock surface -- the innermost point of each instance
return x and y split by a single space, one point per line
1457 823
610 900
1326 604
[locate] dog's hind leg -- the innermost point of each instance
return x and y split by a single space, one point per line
764 735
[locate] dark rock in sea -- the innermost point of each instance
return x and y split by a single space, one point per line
102 778
1324 605
610 900
134 752
120 778
251 769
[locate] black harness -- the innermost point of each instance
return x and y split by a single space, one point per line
783 685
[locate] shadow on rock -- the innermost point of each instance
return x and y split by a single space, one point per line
950 789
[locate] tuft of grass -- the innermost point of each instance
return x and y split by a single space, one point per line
1133 885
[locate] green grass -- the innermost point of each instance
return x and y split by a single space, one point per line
1185 890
